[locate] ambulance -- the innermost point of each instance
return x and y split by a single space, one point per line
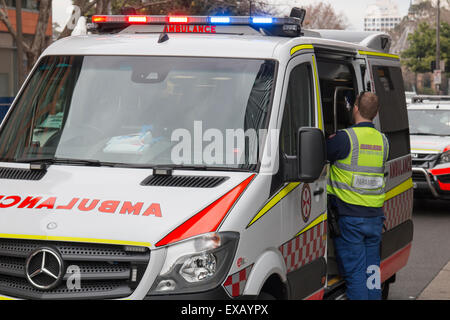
429 122
184 157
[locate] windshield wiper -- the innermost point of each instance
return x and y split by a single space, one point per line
423 134
92 163
429 134
97 163
35 160
199 168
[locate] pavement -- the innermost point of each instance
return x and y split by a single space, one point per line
430 253
439 288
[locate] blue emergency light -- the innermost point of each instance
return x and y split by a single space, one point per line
258 20
219 19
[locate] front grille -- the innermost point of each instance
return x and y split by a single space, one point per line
21 174
418 177
106 271
425 160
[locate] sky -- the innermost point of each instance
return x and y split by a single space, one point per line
353 9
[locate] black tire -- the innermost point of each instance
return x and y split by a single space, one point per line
385 290
266 296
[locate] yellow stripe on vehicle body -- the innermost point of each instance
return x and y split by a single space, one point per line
334 281
379 54
317 221
275 199
73 239
434 150
6 298
319 105
302 47
402 187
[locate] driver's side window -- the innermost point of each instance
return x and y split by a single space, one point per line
299 107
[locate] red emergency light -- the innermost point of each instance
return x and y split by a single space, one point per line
178 19
137 19
99 19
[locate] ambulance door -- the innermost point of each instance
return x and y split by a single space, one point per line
304 206
392 120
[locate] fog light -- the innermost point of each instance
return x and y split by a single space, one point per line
166 285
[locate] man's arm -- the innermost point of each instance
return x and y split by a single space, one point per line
338 146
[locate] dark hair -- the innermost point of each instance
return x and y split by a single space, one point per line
368 105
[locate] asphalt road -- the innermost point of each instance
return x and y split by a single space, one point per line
430 250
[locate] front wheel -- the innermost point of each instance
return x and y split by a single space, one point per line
266 296
385 290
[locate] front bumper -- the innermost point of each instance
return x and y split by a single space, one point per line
434 183
218 293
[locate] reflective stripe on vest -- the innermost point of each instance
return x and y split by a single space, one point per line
359 179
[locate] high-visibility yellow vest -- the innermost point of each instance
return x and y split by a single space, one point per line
359 178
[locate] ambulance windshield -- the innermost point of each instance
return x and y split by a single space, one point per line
429 122
142 110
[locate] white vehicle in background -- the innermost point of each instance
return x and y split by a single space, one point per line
409 95
429 119
89 188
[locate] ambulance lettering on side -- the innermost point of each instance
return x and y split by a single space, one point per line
83 205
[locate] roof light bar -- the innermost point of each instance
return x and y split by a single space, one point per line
158 19
287 26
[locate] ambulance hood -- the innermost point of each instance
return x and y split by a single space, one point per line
429 144
72 202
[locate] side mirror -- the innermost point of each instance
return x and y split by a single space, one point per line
311 155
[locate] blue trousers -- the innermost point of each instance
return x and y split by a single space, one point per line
358 256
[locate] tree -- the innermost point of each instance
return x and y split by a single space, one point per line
39 42
195 7
422 47
163 7
323 16
89 7
55 27
81 8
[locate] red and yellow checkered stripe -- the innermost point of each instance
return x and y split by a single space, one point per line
398 209
235 283
305 248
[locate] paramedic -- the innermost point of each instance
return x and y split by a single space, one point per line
356 188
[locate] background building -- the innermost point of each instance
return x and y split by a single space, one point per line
382 16
8 49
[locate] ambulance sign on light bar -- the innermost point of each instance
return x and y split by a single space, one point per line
192 24
171 28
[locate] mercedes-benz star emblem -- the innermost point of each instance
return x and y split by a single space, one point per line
44 268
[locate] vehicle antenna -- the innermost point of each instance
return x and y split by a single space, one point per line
163 37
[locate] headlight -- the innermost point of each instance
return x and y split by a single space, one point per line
198 264
199 268
445 157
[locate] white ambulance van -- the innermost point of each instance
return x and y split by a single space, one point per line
181 157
